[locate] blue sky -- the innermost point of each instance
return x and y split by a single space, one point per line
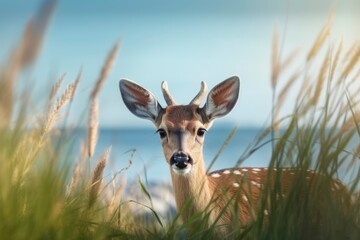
183 42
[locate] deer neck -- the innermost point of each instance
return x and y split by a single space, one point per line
192 191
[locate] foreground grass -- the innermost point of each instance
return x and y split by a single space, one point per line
43 196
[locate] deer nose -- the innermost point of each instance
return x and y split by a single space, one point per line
181 160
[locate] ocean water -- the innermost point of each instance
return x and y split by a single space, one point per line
143 148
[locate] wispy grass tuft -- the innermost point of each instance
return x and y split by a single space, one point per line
65 98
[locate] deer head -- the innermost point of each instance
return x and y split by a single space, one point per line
182 127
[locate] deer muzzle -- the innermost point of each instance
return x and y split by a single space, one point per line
181 162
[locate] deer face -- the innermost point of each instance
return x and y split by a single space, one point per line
182 131
181 128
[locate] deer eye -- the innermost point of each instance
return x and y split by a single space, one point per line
201 132
161 132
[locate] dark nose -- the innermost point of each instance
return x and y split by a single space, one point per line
181 160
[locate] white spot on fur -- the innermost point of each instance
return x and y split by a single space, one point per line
245 198
256 169
215 175
237 172
255 183
266 212
236 185
244 170
226 172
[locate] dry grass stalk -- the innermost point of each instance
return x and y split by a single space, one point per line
303 89
76 83
94 108
356 76
283 94
351 122
336 60
65 98
79 171
349 52
23 54
27 50
353 61
23 152
355 157
319 41
34 33
56 87
93 126
353 88
356 88
351 108
105 70
115 199
98 176
289 60
71 187
275 60
6 102
83 151
321 79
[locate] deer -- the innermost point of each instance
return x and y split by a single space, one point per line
182 130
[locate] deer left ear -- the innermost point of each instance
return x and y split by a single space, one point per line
141 102
222 98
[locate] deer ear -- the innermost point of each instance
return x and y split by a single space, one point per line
222 98
141 102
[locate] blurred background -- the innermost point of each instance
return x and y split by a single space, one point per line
183 42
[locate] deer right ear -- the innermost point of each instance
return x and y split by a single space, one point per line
141 102
222 98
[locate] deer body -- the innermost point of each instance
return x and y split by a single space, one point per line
182 129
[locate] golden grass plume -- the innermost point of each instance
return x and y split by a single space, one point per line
56 87
355 56
97 176
105 71
61 102
24 54
325 32
93 126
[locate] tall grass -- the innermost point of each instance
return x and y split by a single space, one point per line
41 194
322 135
44 197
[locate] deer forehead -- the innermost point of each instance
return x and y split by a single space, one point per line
185 117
